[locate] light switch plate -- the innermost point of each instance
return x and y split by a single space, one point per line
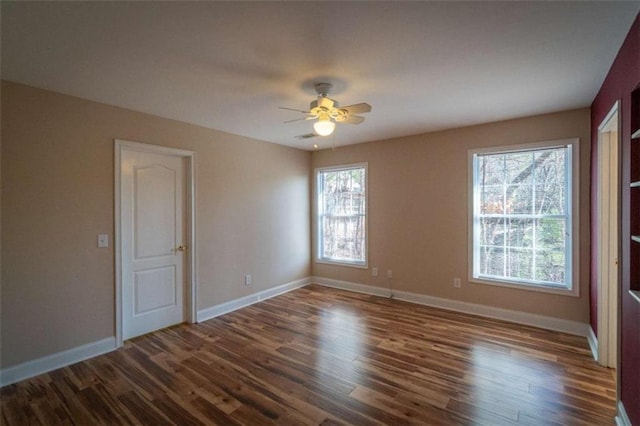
103 240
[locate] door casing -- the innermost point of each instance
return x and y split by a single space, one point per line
190 225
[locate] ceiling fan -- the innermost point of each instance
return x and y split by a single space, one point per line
327 112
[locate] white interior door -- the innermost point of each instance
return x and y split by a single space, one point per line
153 246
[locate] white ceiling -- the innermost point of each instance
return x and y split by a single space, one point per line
423 66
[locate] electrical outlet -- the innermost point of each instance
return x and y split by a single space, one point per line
389 273
456 283
247 279
374 271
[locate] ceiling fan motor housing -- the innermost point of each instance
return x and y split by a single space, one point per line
322 103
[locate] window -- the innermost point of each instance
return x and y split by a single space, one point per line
342 214
524 217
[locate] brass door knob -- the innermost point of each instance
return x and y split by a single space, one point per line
182 247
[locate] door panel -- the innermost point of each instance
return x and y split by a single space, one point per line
153 272
155 209
154 289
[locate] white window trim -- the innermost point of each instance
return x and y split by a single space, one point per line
338 168
575 216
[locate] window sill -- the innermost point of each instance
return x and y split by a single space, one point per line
338 263
527 287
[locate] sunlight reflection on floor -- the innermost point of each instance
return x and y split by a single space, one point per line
340 341
498 376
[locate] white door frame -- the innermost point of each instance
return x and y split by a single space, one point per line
608 236
189 217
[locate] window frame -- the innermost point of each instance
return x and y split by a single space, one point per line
573 282
318 218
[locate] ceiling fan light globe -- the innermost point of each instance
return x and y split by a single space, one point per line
324 127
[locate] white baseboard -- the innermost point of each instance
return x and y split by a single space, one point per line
350 286
622 419
549 323
224 308
58 360
593 342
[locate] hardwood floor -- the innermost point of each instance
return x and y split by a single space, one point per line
323 356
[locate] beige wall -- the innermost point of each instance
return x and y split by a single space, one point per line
418 212
252 212
57 194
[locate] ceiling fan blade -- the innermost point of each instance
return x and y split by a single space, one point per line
310 117
296 119
306 136
293 109
353 119
357 108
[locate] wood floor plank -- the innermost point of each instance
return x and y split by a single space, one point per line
213 413
320 356
141 410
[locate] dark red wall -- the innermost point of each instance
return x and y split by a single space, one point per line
623 78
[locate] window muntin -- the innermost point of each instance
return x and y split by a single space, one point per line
522 220
342 210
